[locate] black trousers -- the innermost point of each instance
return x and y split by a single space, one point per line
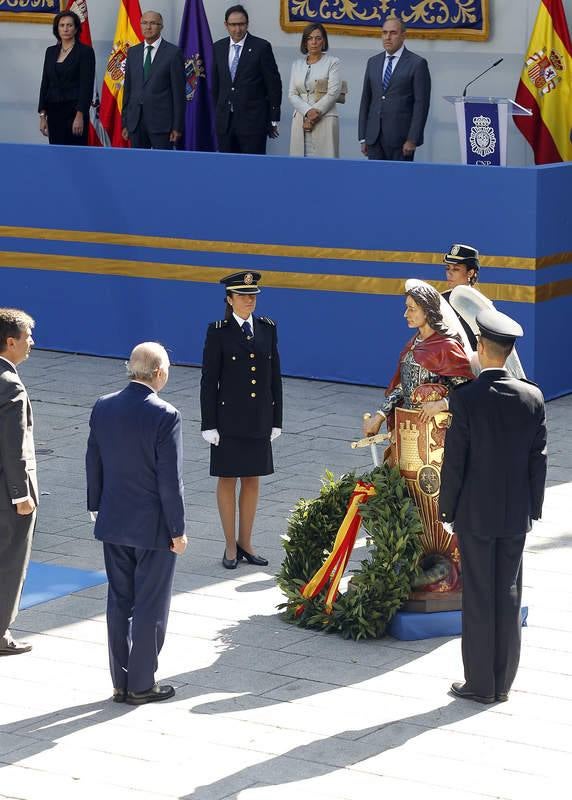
492 594
380 151
138 600
143 139
16 534
233 142
60 122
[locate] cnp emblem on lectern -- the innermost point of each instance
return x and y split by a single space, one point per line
483 140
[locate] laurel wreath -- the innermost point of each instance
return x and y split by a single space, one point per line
380 587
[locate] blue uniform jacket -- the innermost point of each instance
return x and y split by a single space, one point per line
134 467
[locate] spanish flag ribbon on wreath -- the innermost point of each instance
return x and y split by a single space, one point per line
334 566
545 86
127 33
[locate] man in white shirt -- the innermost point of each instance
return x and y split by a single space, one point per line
154 96
395 99
246 87
18 483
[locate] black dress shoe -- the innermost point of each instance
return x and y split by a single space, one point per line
501 697
462 690
119 695
14 648
153 695
229 563
257 560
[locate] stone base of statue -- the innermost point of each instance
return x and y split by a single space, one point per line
417 450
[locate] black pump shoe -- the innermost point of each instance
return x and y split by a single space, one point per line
229 563
252 559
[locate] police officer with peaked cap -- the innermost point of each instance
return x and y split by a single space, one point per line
461 269
241 409
492 487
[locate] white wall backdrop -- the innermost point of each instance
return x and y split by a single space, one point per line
452 65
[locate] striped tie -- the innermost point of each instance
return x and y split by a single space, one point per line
235 60
388 71
246 329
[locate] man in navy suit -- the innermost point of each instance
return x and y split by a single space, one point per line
134 482
154 92
492 487
246 87
395 99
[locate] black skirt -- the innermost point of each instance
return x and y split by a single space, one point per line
241 458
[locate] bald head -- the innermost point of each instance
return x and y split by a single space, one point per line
151 26
149 363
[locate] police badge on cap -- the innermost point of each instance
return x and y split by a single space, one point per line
462 254
242 282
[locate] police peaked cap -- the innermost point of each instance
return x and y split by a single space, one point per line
498 327
242 282
462 254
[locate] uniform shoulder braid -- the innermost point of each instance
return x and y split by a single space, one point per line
267 321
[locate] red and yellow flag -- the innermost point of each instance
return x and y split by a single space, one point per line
127 33
545 86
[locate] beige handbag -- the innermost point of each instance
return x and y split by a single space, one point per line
321 89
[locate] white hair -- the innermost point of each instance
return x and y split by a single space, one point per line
146 358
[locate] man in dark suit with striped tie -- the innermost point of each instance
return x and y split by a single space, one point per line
134 467
246 86
395 99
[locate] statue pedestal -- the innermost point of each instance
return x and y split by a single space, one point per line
428 602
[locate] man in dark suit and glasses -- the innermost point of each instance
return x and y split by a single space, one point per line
395 99
18 483
246 86
492 487
154 95
134 467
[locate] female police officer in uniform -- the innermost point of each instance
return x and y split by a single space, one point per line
241 409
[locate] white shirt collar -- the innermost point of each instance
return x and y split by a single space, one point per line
397 55
496 369
154 45
241 321
7 360
240 44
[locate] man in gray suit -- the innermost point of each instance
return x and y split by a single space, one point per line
18 484
154 90
395 99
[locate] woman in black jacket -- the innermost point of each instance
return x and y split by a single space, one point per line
67 84
241 409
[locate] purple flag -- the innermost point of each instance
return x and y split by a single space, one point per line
196 42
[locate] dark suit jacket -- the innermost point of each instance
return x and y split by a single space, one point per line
241 387
255 96
70 81
162 96
17 453
399 113
134 468
494 469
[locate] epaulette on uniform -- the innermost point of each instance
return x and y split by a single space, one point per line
267 321
532 383
220 323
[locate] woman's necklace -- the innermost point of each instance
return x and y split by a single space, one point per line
64 51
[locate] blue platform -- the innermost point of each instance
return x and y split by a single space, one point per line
48 581
411 625
102 267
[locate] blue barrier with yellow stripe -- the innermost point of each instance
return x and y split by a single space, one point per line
106 248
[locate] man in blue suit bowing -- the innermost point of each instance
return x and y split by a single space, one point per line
134 482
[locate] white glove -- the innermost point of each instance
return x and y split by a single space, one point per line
212 436
93 515
449 527
275 433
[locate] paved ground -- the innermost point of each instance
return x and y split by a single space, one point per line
263 709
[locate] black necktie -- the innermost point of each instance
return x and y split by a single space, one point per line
147 64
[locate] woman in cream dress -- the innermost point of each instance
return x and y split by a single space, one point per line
315 128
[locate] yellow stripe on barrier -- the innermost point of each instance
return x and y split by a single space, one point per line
353 284
275 250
